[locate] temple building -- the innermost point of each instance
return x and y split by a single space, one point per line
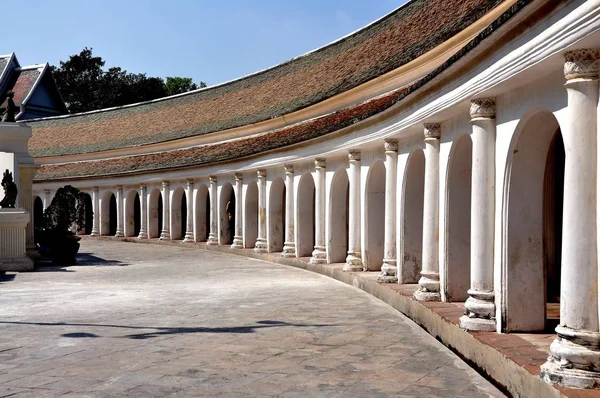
450 146
34 88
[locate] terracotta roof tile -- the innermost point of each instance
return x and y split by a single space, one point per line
393 41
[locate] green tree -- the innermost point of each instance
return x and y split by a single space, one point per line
86 86
178 85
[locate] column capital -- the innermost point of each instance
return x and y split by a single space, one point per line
483 108
189 181
320 163
239 177
120 188
47 191
584 63
432 131
212 179
289 169
165 184
261 173
391 145
143 186
354 154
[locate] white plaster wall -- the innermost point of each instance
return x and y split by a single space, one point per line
305 213
200 214
374 211
105 196
250 214
176 195
129 198
336 227
226 194
275 213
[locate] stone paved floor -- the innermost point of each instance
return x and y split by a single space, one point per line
155 321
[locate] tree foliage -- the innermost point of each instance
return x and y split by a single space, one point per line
86 86
67 208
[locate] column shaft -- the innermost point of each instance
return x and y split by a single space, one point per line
480 310
165 234
319 255
213 236
289 246
429 283
388 268
120 217
354 259
143 213
575 354
95 210
189 225
261 241
238 237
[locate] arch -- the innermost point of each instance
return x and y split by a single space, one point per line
155 210
276 216
305 216
178 214
226 214
132 214
532 222
108 214
38 211
411 240
88 210
458 220
375 216
337 242
202 214
251 215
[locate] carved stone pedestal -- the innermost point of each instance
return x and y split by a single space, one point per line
13 226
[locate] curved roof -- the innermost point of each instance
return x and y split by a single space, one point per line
391 42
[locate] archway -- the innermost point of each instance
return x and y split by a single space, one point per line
276 218
38 212
132 214
375 216
112 225
226 215
202 222
458 220
534 185
88 215
178 214
108 214
305 224
251 216
411 241
337 242
155 210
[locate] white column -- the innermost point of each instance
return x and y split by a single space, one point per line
213 235
261 241
95 209
388 268
119 233
354 259
165 234
319 255
238 237
289 246
47 199
480 310
575 354
429 284
189 225
143 212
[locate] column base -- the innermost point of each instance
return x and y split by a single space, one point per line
212 240
422 295
388 272
429 287
142 235
188 238
480 312
574 360
477 324
119 235
261 246
353 262
165 235
95 233
238 242
319 255
289 250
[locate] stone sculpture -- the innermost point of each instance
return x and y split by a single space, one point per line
11 109
10 191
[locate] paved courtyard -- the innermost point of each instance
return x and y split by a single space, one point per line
143 320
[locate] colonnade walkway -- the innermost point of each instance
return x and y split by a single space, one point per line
158 320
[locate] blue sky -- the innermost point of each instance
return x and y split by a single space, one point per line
213 41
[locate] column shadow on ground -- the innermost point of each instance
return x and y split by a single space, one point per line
161 331
83 260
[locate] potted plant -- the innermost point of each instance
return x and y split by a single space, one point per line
66 211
